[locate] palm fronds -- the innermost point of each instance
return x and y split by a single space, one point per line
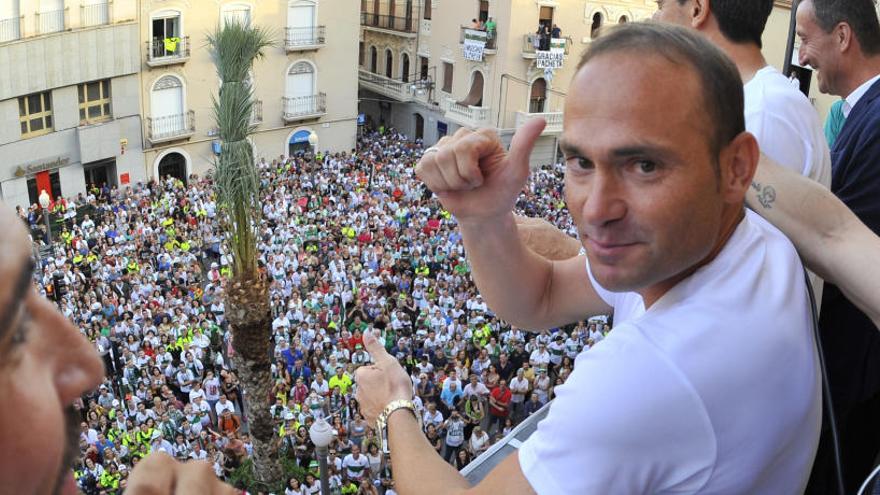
234 48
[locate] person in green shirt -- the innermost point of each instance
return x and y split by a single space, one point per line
341 380
834 122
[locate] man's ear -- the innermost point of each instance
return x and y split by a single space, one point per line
738 162
843 35
700 13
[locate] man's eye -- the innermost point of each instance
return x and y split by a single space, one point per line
579 163
646 166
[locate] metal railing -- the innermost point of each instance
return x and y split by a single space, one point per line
304 106
553 119
51 22
10 29
95 14
394 23
168 50
257 112
171 126
528 46
491 41
298 37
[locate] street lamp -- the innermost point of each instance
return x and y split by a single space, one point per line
313 142
322 434
44 203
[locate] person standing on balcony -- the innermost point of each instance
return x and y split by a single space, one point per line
490 28
556 32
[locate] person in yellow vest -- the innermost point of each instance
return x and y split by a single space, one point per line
110 477
185 246
133 266
341 380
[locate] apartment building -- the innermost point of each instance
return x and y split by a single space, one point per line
425 69
305 86
69 93
430 67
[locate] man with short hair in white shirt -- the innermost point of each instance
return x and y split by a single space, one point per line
781 118
690 393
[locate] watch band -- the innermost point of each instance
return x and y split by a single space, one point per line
382 420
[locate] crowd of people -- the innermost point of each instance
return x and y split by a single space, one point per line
352 242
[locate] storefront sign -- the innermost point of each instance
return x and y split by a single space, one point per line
42 166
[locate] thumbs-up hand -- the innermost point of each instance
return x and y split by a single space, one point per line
381 383
472 174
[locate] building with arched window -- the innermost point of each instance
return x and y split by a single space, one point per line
305 80
492 63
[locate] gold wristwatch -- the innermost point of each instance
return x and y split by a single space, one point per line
382 420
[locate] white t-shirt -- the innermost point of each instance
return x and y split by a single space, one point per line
714 389
786 126
355 467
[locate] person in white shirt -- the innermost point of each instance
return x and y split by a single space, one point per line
658 163
222 405
540 358
519 387
356 465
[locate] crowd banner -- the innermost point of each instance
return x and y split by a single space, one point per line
474 44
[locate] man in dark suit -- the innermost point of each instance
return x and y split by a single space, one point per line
841 41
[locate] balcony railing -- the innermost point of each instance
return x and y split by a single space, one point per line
491 41
304 107
528 46
304 38
95 14
554 120
167 51
409 25
10 29
257 112
171 127
468 116
51 22
386 86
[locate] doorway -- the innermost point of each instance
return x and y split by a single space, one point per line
165 27
174 165
484 10
420 126
99 173
538 96
404 68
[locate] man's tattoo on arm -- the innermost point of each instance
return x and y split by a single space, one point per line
766 194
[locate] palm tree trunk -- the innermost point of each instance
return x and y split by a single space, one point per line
250 318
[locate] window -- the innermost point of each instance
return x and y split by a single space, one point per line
484 11
35 114
237 13
361 54
622 20
597 24
94 101
427 12
389 64
447 77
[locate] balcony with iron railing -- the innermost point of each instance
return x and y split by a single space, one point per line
297 108
167 51
171 127
304 38
257 112
553 119
10 29
491 47
528 47
466 115
51 22
95 14
406 26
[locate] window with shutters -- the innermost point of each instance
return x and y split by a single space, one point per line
35 114
94 102
447 77
427 11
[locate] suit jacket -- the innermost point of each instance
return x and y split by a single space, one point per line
850 340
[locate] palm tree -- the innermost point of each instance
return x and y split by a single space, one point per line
234 48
